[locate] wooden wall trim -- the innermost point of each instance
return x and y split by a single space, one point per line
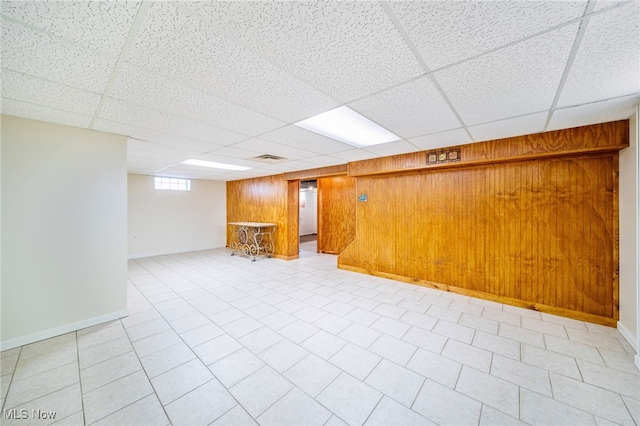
282 257
597 138
597 319
340 169
356 172
616 237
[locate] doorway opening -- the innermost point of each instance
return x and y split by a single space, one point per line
308 224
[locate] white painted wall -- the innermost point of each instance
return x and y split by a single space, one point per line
164 222
64 221
629 185
309 213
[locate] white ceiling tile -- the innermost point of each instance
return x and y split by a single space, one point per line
602 4
291 166
446 32
132 131
175 144
99 25
34 90
230 160
392 148
138 86
124 112
324 161
518 80
233 152
247 174
346 49
172 172
170 42
409 110
267 147
598 112
168 155
354 155
525 125
27 51
39 112
195 170
149 166
143 145
608 62
136 170
152 139
442 139
300 138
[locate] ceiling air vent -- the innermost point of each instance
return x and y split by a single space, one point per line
268 158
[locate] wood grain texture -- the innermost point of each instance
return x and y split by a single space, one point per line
541 232
293 223
336 213
597 138
266 199
316 173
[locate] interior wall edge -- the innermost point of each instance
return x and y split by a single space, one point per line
627 334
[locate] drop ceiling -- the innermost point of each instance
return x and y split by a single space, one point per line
226 81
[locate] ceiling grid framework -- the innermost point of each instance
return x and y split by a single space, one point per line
135 27
227 81
574 51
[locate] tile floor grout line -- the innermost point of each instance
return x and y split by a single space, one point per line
148 379
13 373
415 398
376 406
84 420
120 409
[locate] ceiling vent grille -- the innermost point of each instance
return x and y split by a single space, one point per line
268 158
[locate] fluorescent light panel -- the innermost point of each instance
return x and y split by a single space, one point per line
215 165
346 125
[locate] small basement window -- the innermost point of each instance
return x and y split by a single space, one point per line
173 184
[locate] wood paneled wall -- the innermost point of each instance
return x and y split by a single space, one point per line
336 213
267 199
535 232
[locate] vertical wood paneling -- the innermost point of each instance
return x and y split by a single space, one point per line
336 213
293 215
540 231
266 199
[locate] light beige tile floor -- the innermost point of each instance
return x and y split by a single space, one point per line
215 339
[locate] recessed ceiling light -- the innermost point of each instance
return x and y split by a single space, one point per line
214 165
346 125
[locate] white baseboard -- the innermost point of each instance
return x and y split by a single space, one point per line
636 361
53 332
164 253
629 337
